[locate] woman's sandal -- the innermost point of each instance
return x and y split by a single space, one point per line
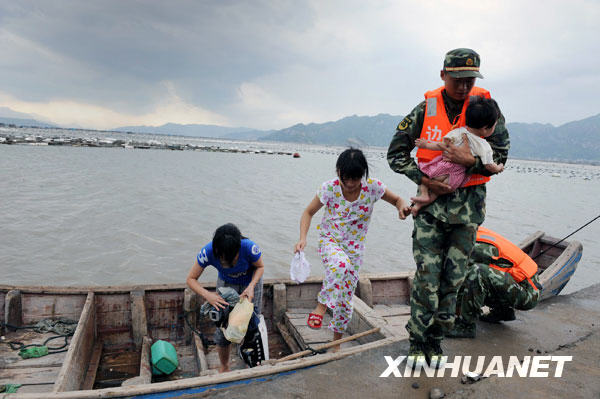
317 321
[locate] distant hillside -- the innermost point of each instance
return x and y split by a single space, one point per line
358 130
24 122
10 117
577 141
195 131
250 135
574 141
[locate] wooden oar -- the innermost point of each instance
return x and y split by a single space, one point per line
328 345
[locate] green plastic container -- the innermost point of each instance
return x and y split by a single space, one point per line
164 358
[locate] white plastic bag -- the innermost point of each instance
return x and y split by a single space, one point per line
264 336
239 318
299 268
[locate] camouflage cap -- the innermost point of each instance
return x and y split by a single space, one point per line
462 63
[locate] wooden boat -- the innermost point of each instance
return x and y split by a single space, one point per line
557 261
109 355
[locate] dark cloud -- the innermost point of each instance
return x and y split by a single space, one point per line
268 64
110 51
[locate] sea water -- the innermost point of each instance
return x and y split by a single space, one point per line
100 216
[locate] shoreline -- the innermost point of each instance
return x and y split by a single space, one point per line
566 325
105 141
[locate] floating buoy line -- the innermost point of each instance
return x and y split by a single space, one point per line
39 140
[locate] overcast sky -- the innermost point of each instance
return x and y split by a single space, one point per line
272 64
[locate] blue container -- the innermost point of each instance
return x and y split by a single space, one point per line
164 358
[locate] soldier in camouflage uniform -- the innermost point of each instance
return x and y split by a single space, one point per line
486 286
444 231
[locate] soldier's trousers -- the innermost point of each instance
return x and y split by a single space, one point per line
441 252
487 286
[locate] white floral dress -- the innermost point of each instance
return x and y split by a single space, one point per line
342 231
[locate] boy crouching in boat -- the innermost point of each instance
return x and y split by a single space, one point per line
240 266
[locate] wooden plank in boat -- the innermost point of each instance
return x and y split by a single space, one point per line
390 291
113 318
90 375
365 291
37 307
187 363
190 304
295 320
391 310
174 335
298 313
531 239
116 367
365 318
139 323
116 319
164 311
125 289
72 373
201 363
187 367
36 375
160 318
112 302
164 300
2 296
13 309
279 302
287 336
388 276
302 295
397 321
37 388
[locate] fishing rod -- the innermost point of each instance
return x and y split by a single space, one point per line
556 243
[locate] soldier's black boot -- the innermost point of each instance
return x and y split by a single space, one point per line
416 355
499 314
435 355
462 329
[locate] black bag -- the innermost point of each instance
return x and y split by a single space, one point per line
251 349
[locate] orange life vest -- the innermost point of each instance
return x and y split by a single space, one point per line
436 125
523 266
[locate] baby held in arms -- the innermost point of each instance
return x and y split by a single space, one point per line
481 117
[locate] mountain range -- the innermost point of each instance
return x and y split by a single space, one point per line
577 141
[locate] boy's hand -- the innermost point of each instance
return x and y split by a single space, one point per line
216 300
248 293
403 208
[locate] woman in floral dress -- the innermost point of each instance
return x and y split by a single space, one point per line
348 201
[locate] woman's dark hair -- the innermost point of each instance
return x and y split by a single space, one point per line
482 112
352 164
226 242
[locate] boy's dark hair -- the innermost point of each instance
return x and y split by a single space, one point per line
482 112
227 242
352 164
